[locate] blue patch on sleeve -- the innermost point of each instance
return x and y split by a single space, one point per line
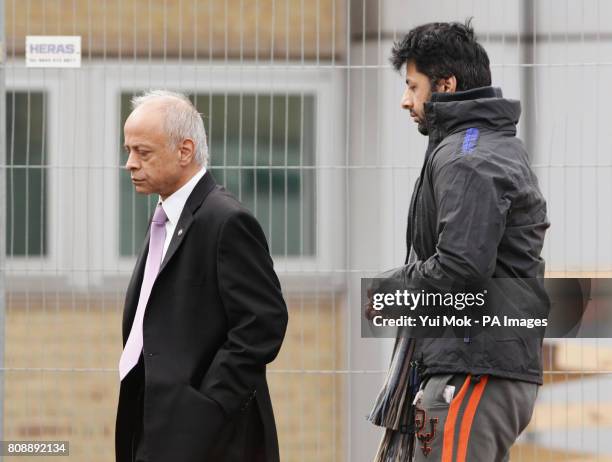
469 140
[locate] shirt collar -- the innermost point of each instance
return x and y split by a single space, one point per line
174 203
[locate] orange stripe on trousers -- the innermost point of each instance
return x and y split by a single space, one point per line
451 418
468 418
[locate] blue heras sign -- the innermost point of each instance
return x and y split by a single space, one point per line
51 48
53 51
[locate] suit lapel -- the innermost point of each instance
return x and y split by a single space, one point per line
180 231
133 291
195 199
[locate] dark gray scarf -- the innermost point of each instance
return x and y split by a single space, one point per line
394 409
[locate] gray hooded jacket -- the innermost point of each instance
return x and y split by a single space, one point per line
477 213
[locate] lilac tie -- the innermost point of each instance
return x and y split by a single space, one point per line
133 346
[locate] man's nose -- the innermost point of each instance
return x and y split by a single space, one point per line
132 163
407 102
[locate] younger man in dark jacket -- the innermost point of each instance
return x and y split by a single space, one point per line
476 214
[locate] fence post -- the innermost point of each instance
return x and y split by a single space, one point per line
527 44
2 213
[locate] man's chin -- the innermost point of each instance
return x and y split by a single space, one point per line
141 189
423 129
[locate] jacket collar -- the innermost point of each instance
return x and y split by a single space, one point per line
483 107
174 204
194 201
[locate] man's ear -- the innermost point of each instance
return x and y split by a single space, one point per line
447 85
187 150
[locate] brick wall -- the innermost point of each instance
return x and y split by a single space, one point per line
73 345
188 28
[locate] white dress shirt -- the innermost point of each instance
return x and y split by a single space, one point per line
174 204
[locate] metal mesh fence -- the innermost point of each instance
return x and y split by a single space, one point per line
305 128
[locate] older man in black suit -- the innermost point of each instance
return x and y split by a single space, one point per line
203 313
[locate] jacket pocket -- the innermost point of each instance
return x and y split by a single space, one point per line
201 417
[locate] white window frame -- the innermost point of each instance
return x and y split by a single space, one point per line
21 79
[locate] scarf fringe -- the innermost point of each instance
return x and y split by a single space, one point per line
393 407
395 447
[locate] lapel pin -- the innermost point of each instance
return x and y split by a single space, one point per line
180 231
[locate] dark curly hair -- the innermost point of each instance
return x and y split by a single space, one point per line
442 49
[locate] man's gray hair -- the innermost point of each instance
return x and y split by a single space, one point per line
182 120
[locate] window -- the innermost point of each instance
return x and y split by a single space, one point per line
262 150
26 187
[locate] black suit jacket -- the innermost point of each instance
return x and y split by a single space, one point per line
214 319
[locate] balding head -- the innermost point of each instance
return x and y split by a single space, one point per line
181 120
